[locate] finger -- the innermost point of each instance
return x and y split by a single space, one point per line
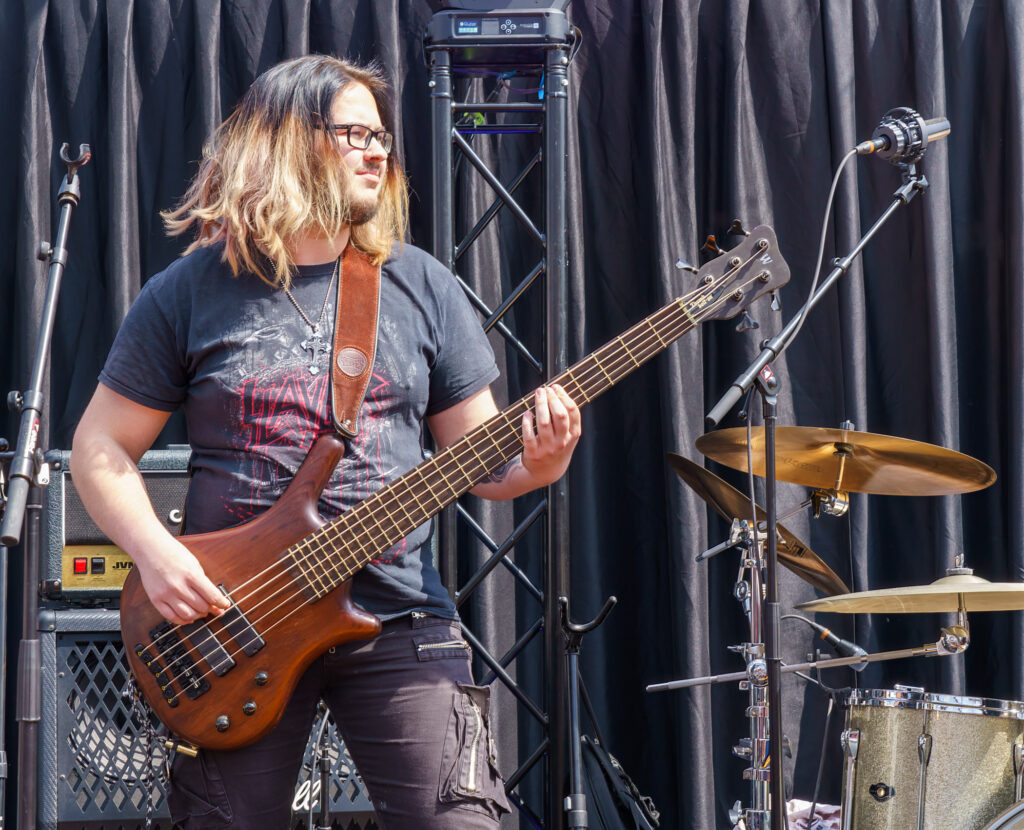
208 596
571 408
529 435
559 414
178 612
540 399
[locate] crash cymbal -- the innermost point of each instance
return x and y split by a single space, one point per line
940 596
731 504
861 462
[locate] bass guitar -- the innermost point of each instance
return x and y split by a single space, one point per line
222 683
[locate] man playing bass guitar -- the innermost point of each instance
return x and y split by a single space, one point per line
238 334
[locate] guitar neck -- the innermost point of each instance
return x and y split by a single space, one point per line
340 548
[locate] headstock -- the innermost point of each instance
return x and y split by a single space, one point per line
731 281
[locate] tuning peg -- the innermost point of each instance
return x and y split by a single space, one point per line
683 265
737 227
747 323
776 302
711 244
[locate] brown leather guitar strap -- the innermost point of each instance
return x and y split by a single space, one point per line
355 338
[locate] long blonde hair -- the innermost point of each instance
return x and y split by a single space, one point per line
273 173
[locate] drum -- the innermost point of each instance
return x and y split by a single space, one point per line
1011 819
920 760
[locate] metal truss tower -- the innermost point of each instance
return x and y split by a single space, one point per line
473 49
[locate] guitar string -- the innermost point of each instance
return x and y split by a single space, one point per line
280 619
315 542
670 310
310 555
320 548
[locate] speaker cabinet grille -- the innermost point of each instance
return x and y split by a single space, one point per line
94 761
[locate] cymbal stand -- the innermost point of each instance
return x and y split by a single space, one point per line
749 592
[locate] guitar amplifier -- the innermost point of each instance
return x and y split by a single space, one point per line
79 565
96 767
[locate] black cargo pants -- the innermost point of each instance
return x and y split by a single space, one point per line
415 726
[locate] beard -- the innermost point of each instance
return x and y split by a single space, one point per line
362 210
363 204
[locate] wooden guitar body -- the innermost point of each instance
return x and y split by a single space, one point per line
247 700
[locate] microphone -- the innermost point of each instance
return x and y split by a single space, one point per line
903 136
845 648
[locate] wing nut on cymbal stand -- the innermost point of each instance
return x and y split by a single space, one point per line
835 503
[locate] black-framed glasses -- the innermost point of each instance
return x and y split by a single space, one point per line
359 136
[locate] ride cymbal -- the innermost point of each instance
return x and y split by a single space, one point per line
731 504
940 596
847 460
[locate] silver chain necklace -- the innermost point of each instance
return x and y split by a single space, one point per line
315 344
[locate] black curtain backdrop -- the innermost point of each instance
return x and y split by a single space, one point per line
684 116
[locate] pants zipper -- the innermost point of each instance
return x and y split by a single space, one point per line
446 644
471 785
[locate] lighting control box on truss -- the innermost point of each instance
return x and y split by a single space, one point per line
497 36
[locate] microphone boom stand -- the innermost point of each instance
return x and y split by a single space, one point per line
28 472
760 372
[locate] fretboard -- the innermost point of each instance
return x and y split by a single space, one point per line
333 553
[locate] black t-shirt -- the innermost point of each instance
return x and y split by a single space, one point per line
230 352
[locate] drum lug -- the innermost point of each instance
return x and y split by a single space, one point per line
850 741
924 755
1018 769
924 749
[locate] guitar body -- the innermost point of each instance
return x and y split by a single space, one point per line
247 700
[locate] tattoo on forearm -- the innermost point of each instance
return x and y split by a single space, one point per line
503 471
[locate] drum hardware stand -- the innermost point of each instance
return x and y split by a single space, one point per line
755 682
28 473
759 374
575 801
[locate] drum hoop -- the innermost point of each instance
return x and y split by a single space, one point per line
930 701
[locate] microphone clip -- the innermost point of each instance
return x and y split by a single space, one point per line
903 136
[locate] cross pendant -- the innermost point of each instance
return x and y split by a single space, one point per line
315 346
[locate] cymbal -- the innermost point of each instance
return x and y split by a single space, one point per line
861 462
731 504
940 596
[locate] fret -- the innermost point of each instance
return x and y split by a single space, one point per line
483 464
321 553
396 533
306 565
514 432
304 573
650 325
420 472
448 484
462 470
497 446
625 348
380 527
579 388
318 565
611 380
412 520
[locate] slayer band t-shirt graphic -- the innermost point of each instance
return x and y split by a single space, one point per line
237 356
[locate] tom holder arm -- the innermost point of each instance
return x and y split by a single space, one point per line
952 640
